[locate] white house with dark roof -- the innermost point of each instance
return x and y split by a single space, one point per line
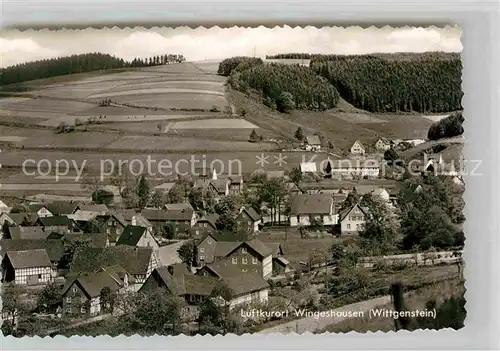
357 148
352 220
248 219
382 144
137 236
307 207
29 267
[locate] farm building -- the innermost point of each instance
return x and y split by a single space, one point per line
357 148
352 169
41 210
136 236
28 233
82 294
312 143
249 220
307 208
29 267
205 224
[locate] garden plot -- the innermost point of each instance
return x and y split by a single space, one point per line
221 123
174 100
47 106
180 144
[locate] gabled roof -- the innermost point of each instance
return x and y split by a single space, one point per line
384 140
54 248
19 218
28 258
36 207
101 209
55 221
283 260
313 140
359 143
259 247
131 235
210 218
235 179
83 215
93 283
155 214
224 248
347 211
179 215
97 240
251 282
62 207
134 259
311 204
219 185
128 214
27 233
179 206
254 216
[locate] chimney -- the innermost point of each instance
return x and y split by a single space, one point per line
134 221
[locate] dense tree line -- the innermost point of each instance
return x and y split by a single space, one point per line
447 127
428 82
227 66
286 87
77 64
293 55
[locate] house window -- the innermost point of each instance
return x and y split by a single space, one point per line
83 310
234 260
197 232
192 298
110 223
202 249
254 260
108 231
75 289
205 225
244 260
68 299
209 241
117 231
202 258
244 250
205 274
249 222
349 226
39 276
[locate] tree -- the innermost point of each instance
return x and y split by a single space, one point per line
158 199
253 136
12 306
187 253
71 248
273 193
328 170
391 155
107 300
142 191
50 298
176 193
6 230
158 312
285 102
296 175
169 231
226 222
351 199
102 196
19 208
214 311
299 135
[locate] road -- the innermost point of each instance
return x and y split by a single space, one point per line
312 324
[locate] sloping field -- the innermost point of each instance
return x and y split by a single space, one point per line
174 100
195 85
180 144
84 140
208 66
227 123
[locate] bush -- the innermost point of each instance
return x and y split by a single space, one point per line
448 127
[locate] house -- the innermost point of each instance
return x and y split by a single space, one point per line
382 144
36 232
82 294
355 169
281 266
62 208
353 219
41 210
308 167
382 194
312 143
179 206
29 267
307 207
357 148
128 214
138 261
205 224
235 184
248 220
219 188
25 218
195 288
54 248
183 220
244 256
4 208
378 192
60 224
134 235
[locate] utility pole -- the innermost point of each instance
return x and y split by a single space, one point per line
254 50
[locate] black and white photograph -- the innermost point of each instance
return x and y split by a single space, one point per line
259 180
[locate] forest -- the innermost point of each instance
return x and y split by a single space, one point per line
288 56
77 64
429 82
448 127
282 87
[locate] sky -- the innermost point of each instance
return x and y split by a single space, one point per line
219 43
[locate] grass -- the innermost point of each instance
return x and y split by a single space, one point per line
414 300
296 249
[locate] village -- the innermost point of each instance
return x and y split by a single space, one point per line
208 232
